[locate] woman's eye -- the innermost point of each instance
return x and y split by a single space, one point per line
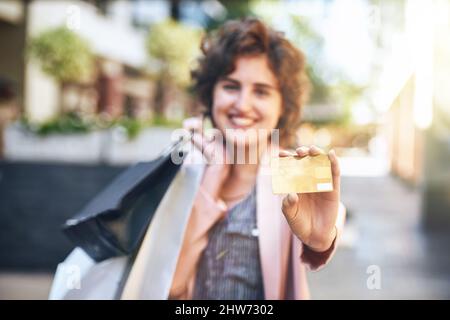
230 87
262 92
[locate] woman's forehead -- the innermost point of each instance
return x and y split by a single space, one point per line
253 69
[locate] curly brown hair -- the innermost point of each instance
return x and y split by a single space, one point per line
250 36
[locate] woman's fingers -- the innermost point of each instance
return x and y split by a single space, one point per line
286 153
198 141
315 151
302 151
312 151
335 168
211 146
289 206
194 124
201 143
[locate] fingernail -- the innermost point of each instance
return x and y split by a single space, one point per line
292 199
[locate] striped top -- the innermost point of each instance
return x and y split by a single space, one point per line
229 267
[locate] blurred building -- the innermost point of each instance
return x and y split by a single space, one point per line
115 29
12 35
121 86
418 118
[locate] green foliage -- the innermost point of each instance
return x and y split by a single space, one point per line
235 9
308 40
174 46
75 123
347 93
63 55
328 84
161 121
68 123
131 126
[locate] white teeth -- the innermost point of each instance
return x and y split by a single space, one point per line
242 122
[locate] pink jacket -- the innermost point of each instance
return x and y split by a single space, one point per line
283 257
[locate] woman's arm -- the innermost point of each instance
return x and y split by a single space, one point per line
316 260
207 210
316 218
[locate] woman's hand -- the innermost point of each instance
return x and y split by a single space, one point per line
312 216
213 149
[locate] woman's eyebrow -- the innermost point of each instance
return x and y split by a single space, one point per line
230 80
257 84
264 85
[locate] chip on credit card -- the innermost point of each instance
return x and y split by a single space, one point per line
294 174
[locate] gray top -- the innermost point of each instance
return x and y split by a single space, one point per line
229 267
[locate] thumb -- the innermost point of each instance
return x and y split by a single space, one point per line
289 206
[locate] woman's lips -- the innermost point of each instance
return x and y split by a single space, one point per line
241 122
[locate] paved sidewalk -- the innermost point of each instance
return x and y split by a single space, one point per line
384 230
26 286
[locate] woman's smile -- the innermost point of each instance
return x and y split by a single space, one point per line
241 122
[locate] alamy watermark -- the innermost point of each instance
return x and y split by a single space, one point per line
72 275
236 146
73 19
374 279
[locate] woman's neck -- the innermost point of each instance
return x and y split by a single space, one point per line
244 172
239 183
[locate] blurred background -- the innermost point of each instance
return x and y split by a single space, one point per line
90 87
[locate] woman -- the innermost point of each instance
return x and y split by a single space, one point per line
242 241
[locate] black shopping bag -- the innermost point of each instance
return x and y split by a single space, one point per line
114 222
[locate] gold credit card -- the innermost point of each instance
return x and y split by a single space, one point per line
301 175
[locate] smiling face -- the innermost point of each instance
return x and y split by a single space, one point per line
248 99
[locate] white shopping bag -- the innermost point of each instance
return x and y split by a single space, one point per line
80 278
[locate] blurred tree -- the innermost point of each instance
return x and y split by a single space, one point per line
234 9
172 47
175 9
63 55
329 86
346 93
101 5
308 40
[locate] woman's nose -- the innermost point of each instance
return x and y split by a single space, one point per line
244 102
